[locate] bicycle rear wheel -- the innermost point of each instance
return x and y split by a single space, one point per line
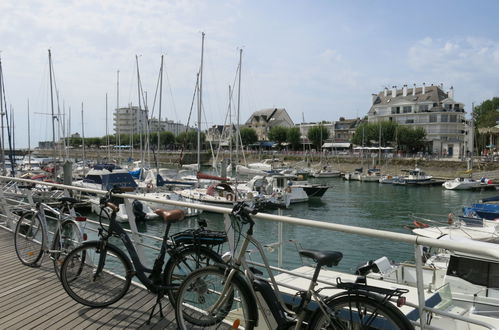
28 238
66 238
184 261
95 279
359 312
202 289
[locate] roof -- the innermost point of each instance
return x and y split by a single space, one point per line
278 116
336 145
433 94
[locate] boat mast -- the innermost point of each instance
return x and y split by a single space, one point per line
82 134
29 138
238 106
107 135
138 112
118 140
52 112
200 104
159 114
2 146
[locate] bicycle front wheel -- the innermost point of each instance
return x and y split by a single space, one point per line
94 277
66 238
202 303
28 238
359 312
184 261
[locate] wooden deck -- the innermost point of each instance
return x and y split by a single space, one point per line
34 298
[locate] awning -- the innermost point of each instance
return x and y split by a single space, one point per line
336 145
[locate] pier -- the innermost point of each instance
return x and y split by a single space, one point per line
34 298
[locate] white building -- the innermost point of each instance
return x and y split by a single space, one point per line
130 120
428 107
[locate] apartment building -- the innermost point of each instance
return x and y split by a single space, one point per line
431 108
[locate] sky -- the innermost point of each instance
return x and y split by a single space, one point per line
320 60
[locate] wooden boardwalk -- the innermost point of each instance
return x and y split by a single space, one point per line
34 298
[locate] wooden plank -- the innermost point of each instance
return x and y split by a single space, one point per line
34 298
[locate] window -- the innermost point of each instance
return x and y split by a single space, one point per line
395 110
444 118
407 109
423 107
409 121
433 118
478 272
453 118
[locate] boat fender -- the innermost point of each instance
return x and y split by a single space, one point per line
230 196
149 186
419 224
450 219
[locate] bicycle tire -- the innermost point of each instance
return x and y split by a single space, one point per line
29 238
70 239
359 312
182 262
202 288
79 270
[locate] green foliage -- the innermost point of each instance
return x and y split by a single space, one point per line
278 134
406 138
248 136
317 135
189 139
294 137
486 114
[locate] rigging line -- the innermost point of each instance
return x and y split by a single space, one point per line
155 96
12 161
189 118
172 100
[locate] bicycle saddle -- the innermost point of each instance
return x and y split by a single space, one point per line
170 215
328 258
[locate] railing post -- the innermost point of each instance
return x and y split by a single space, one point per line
6 211
280 247
135 232
420 284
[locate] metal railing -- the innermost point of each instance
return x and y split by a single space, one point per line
418 241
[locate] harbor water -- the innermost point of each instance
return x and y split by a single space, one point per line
364 204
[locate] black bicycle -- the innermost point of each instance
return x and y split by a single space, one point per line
98 273
235 293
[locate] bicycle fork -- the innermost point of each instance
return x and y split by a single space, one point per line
102 250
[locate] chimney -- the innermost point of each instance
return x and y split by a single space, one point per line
450 93
385 92
394 91
404 90
442 86
374 96
414 90
424 89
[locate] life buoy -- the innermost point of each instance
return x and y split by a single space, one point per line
419 224
230 196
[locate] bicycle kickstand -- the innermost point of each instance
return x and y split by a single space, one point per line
158 303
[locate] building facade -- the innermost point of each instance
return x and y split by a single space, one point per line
429 107
130 120
263 120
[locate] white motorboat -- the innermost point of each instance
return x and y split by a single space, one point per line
462 184
353 176
326 172
372 175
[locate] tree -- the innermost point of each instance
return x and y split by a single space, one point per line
294 137
248 136
486 114
411 139
189 139
278 134
317 135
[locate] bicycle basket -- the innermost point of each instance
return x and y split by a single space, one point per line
200 236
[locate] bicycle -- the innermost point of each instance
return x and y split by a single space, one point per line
232 293
31 233
93 279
